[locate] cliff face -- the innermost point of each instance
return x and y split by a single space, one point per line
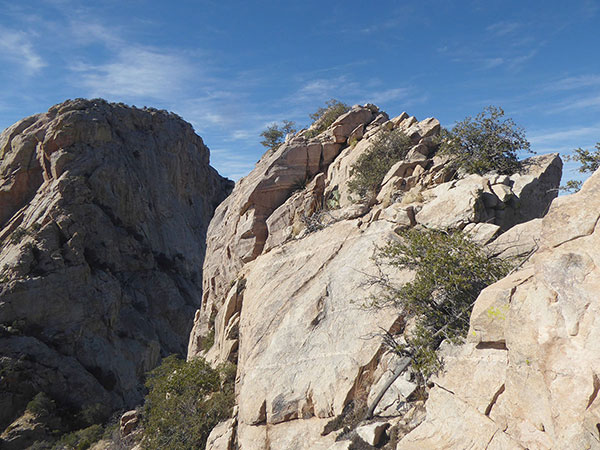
287 270
528 377
103 216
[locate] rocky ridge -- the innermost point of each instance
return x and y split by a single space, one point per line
288 257
528 375
103 215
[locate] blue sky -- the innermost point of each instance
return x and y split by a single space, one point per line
232 67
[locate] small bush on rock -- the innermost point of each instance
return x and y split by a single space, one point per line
450 272
80 439
184 403
590 162
275 134
368 172
489 142
326 115
41 405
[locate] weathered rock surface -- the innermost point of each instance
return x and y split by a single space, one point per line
288 271
528 377
103 216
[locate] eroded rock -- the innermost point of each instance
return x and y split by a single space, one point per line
528 376
103 216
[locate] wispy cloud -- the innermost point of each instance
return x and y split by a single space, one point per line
17 47
490 63
583 103
574 82
388 95
350 90
562 140
233 164
503 28
541 138
136 72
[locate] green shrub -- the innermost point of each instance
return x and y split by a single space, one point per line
367 173
333 200
184 403
325 116
80 439
208 340
572 186
450 272
275 134
486 143
41 405
589 162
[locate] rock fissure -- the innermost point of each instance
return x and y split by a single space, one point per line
494 399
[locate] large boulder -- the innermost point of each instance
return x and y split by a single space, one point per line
103 215
528 377
240 229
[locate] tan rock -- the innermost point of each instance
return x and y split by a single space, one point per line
293 435
453 424
521 240
503 192
129 421
357 134
399 119
372 433
319 317
454 204
535 333
534 189
347 123
222 436
482 233
399 215
402 169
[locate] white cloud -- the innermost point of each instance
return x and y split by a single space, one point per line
490 63
16 46
388 95
136 72
576 82
579 103
564 140
503 28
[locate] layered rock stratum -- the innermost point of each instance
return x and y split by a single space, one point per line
287 271
103 216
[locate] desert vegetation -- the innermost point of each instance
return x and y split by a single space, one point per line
275 134
450 272
369 170
323 117
488 142
184 403
589 161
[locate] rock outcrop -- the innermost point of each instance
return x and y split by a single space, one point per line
288 270
103 215
528 376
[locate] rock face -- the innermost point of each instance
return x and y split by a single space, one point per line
288 270
529 375
103 216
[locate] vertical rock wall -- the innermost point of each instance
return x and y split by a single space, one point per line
103 215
